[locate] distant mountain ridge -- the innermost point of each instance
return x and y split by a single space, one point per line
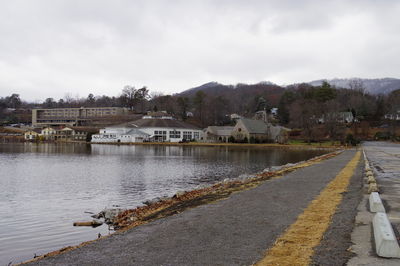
239 94
372 86
208 88
217 89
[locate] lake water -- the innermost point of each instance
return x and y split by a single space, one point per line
44 188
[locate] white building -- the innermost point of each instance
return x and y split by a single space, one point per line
48 133
159 129
120 133
33 134
393 116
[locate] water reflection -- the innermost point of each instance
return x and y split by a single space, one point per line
44 188
45 148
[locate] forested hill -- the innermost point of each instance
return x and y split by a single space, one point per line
238 93
372 86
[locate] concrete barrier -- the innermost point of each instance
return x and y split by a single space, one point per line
375 203
385 241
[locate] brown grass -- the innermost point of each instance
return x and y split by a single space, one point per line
295 246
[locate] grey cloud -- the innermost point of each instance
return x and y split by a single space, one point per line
50 48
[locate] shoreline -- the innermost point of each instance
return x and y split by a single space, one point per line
205 144
313 145
186 200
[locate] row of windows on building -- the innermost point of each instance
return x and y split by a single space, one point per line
187 135
105 136
77 112
161 135
55 120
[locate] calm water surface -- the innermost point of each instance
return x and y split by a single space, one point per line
44 188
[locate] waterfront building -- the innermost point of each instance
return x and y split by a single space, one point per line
32 134
150 128
71 133
259 131
218 133
168 129
64 133
72 116
80 133
59 133
48 133
126 132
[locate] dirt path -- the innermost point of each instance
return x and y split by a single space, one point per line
234 231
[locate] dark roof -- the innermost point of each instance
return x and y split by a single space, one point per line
255 126
136 131
126 124
12 130
153 122
220 130
37 130
85 129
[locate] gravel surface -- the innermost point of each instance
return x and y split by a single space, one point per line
333 249
235 231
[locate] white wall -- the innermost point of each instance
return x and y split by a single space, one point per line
115 134
151 130
104 138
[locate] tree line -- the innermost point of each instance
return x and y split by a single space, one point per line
305 107
299 106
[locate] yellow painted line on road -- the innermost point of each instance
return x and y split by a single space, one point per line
296 245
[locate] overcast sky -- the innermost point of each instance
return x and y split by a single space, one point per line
54 47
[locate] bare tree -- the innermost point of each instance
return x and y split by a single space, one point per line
199 104
128 96
183 105
141 98
357 85
305 115
49 103
394 110
332 119
90 100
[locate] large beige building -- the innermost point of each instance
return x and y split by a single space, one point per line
72 116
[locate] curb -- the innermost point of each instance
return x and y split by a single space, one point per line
385 241
386 244
375 203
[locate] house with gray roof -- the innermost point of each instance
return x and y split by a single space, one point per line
259 131
217 133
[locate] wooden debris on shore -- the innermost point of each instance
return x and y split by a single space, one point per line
93 223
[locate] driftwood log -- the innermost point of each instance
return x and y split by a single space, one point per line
93 223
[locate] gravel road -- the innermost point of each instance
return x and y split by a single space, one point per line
234 231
